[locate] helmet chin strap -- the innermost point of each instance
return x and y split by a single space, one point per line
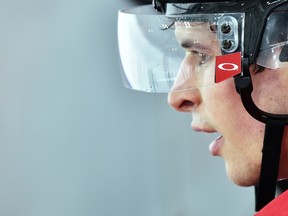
270 163
275 124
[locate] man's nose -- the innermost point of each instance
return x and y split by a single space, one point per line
185 95
184 100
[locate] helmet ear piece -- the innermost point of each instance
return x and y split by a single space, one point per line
284 54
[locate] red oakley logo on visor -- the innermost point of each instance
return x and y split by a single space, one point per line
227 66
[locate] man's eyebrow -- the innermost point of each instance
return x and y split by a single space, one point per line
188 44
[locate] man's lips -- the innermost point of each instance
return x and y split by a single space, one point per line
200 129
215 146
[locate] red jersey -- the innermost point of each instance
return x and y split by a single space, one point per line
277 207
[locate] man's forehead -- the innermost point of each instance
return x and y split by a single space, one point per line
194 30
191 23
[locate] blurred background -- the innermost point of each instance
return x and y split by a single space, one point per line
74 142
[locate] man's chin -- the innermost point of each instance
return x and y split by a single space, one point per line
243 179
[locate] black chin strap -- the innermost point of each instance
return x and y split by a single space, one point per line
265 191
270 163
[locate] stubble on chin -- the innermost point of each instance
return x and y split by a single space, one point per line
244 175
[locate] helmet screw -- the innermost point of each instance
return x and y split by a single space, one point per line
225 28
227 44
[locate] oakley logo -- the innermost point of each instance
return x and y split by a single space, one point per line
228 67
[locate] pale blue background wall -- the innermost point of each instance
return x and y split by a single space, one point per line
74 142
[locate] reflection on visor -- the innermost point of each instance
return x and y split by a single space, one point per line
273 52
150 55
162 54
274 57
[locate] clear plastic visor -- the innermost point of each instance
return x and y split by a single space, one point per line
162 54
273 52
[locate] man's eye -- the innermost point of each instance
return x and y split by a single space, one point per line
200 57
203 58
